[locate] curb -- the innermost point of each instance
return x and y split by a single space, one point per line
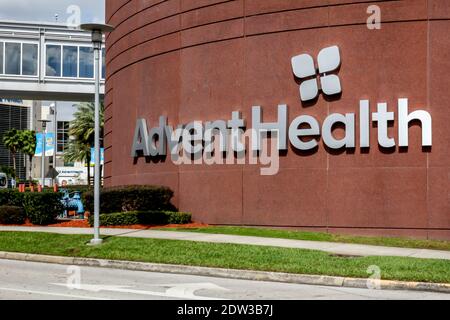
229 273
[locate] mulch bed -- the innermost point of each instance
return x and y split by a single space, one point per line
85 224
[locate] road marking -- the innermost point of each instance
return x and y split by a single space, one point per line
53 294
187 290
180 291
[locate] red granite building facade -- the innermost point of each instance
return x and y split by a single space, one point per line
203 59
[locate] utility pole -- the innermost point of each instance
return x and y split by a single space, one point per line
44 142
97 40
55 135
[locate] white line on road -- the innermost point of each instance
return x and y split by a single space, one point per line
53 294
178 291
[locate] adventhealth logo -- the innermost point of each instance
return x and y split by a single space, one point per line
198 140
329 60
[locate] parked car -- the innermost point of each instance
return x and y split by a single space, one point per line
3 181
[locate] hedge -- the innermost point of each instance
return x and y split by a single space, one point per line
9 197
149 205
131 198
80 188
12 215
142 217
40 208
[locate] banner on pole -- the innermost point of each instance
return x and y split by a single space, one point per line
49 144
102 156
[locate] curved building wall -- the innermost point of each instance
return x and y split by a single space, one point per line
200 60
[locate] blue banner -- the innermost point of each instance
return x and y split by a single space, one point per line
49 145
102 156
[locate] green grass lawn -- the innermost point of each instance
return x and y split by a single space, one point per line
317 236
226 256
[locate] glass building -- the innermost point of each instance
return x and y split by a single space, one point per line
14 114
66 61
43 62
47 62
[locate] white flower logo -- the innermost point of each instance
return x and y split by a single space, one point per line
329 60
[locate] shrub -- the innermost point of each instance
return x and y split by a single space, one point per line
178 217
9 197
12 215
131 198
42 208
80 188
142 217
116 219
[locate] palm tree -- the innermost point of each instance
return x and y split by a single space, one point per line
76 151
82 127
82 135
12 139
28 147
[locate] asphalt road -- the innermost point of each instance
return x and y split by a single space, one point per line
30 280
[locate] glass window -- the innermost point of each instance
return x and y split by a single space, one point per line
62 135
53 61
29 59
1 57
103 63
12 58
70 61
86 62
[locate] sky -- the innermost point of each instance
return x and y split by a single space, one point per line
45 10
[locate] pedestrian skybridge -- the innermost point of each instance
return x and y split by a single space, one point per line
47 62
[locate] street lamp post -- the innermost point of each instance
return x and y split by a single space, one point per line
55 134
43 144
97 40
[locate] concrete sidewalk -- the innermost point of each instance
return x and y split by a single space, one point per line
331 247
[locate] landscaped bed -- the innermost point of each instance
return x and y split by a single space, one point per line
121 207
84 223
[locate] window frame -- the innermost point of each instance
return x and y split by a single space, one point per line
102 61
62 131
20 58
78 45
93 63
62 61
37 59
21 42
2 70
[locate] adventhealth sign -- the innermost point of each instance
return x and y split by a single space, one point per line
197 137
329 60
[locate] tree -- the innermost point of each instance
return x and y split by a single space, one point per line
82 133
8 171
76 151
82 127
28 147
12 139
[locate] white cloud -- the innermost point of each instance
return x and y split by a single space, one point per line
45 10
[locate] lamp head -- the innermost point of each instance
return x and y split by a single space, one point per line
44 123
97 31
